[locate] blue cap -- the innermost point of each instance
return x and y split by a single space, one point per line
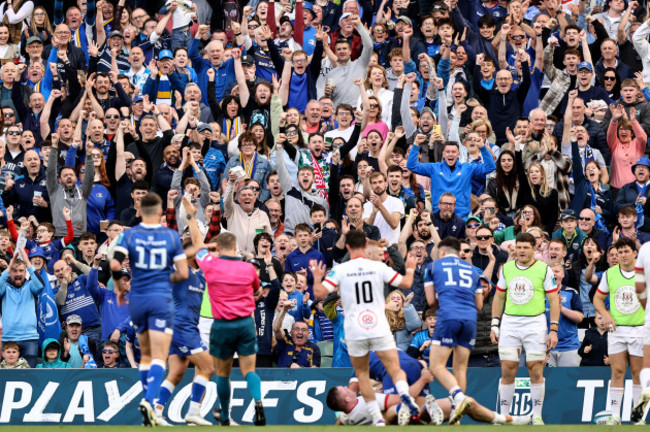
308 6
37 251
165 54
586 65
644 161
138 98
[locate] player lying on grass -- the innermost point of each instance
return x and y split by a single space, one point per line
354 412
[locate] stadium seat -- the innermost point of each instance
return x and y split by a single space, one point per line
326 353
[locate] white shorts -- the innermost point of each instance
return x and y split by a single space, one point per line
618 342
361 347
524 332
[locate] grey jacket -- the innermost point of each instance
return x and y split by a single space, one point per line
203 201
297 201
75 198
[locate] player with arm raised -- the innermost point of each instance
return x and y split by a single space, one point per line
360 283
519 297
455 286
153 251
642 268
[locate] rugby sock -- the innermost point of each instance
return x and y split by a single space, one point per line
198 389
499 419
166 390
223 391
457 395
144 371
506 393
645 378
154 379
615 399
402 387
537 395
636 393
254 385
374 411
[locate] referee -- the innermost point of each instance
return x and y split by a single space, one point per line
231 284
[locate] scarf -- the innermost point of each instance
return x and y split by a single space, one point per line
600 221
640 217
232 127
319 178
164 94
250 170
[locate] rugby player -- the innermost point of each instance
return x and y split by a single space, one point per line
642 267
360 283
519 320
153 251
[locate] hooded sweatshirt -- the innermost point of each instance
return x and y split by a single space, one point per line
56 364
20 364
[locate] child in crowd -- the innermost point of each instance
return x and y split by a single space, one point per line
52 356
594 346
11 358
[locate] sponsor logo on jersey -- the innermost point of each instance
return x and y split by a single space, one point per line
367 320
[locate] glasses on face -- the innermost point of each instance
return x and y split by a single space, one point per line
527 213
112 116
374 105
252 27
473 225
609 78
344 113
129 161
484 237
292 132
418 248
41 231
300 61
9 115
108 351
62 33
447 204
255 188
490 209
468 250
13 133
379 31
518 37
582 218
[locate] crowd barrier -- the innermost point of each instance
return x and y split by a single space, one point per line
296 396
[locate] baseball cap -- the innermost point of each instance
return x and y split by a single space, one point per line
585 65
33 39
74 319
165 54
344 16
115 33
125 272
476 218
567 214
37 251
138 98
404 19
643 161
203 126
247 60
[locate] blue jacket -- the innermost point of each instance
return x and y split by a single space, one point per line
458 182
100 207
19 307
627 197
178 81
22 194
223 74
79 301
113 315
214 164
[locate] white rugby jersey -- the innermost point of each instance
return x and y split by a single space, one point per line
359 415
361 286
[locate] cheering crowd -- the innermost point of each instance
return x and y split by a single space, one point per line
289 124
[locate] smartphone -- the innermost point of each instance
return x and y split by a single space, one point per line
317 228
437 129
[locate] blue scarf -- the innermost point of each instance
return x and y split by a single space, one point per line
640 218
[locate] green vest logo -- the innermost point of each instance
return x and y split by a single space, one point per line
520 290
626 301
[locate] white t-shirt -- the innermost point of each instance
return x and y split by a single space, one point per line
359 415
643 263
361 285
393 205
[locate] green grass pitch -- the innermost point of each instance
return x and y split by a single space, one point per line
460 428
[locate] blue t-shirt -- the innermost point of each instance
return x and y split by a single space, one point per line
419 339
188 296
567 333
152 251
456 284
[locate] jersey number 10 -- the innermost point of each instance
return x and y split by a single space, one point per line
157 258
364 292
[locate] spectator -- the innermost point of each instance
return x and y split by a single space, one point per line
446 220
52 356
593 349
11 358
111 356
299 260
382 210
402 318
243 218
77 348
294 351
627 141
635 194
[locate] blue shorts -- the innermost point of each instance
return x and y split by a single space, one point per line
186 341
413 371
451 333
151 313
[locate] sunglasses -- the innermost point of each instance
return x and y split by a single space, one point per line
112 116
252 27
9 115
13 133
473 225
490 209
108 351
584 218
374 105
485 237
518 37
255 188
292 132
468 250
379 31
609 78
129 161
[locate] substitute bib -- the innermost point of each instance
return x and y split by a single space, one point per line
525 294
624 306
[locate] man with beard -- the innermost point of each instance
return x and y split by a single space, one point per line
128 170
339 201
418 250
298 199
28 194
275 217
138 73
100 85
446 221
353 220
316 158
62 41
149 146
131 216
382 210
275 187
396 190
418 227
65 192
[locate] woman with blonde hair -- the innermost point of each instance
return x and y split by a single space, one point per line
373 106
376 84
537 192
39 25
541 244
402 318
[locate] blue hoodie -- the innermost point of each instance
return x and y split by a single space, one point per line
55 364
19 305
